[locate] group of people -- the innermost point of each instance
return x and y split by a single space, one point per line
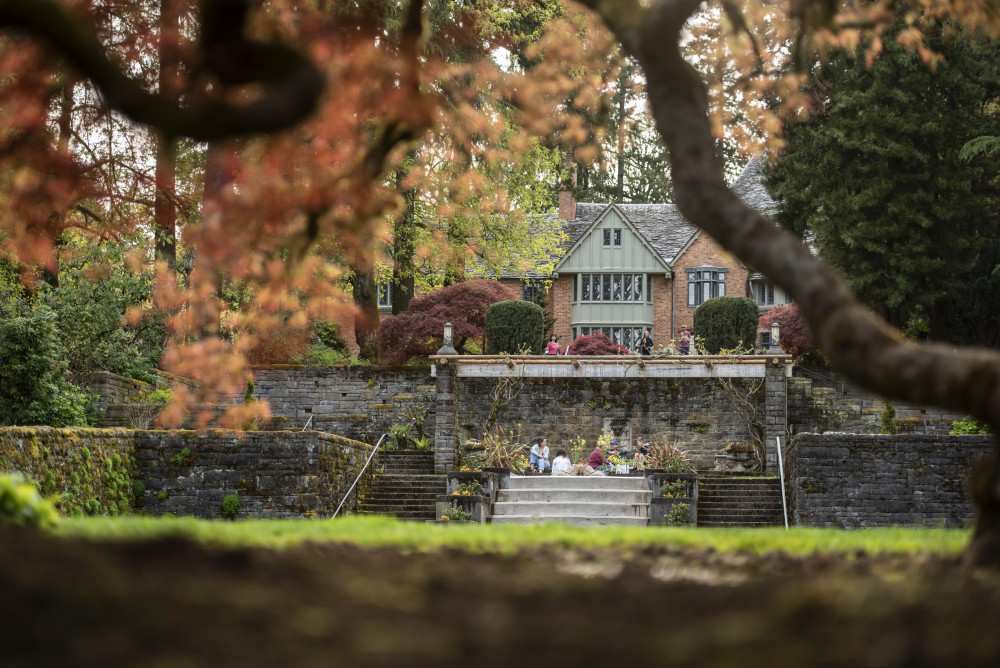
645 344
538 460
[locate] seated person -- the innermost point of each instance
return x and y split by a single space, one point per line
561 462
539 455
596 458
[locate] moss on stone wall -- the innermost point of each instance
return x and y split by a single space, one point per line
90 471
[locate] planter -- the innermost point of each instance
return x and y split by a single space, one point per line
734 462
655 480
503 475
487 479
478 507
660 506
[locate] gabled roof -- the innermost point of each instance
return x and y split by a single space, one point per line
622 210
662 226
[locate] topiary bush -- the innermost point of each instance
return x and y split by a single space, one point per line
597 343
515 325
726 323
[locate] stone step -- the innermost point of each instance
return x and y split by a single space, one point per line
580 483
713 523
739 500
571 509
561 495
581 520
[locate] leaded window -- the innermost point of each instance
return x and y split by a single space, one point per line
704 283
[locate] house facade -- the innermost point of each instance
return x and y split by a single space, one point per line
631 267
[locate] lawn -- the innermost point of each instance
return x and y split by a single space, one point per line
377 531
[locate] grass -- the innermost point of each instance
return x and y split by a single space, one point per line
375 531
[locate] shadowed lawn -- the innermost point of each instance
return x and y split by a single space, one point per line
377 592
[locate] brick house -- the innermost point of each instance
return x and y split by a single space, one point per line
630 267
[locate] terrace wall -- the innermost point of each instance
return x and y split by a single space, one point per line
870 480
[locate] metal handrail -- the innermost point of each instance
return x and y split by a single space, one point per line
360 473
781 479
308 422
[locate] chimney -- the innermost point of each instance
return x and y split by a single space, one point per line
567 204
567 200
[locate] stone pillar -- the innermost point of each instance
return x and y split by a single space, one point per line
445 417
775 408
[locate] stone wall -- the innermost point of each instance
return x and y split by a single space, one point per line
296 391
276 474
854 480
691 413
91 467
114 389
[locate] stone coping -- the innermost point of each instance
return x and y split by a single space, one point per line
612 366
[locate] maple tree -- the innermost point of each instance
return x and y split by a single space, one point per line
298 179
420 329
794 336
597 343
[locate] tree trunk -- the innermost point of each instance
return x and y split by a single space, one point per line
404 244
620 188
366 312
164 207
50 274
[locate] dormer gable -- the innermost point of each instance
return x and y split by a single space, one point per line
611 243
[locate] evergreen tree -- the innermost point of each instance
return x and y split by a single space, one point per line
874 177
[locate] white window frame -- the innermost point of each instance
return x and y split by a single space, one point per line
383 293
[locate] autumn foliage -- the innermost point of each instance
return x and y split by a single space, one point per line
598 343
795 338
419 330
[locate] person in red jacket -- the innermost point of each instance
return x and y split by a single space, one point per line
596 459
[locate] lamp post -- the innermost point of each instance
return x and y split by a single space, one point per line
775 347
448 345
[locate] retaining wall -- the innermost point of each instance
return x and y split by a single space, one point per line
854 480
276 474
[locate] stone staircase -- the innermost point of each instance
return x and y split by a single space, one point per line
408 487
738 501
590 500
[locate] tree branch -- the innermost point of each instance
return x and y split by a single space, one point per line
291 84
865 348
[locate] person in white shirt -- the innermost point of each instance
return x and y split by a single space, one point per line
561 462
539 456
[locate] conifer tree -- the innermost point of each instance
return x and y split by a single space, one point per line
874 177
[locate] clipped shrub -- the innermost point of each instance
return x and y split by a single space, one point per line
515 325
726 323
22 505
418 330
795 338
597 343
